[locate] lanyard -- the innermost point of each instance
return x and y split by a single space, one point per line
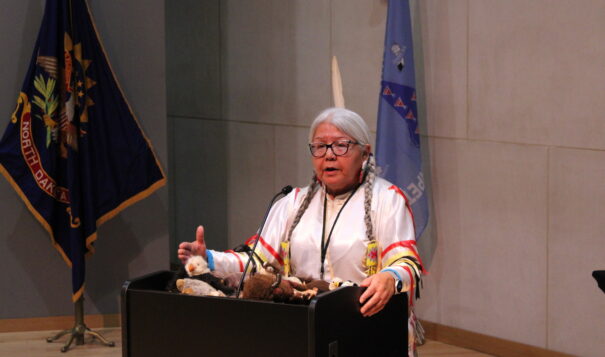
325 243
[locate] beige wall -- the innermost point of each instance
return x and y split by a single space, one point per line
513 135
517 139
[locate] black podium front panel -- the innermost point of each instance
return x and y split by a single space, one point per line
160 323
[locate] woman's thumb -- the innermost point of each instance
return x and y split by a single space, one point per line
199 235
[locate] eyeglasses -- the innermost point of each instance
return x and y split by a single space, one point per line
339 148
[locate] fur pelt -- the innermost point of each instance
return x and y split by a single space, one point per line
274 287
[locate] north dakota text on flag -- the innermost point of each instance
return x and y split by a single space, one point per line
397 141
73 149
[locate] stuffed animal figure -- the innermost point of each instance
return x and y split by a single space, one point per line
196 268
337 283
196 265
197 288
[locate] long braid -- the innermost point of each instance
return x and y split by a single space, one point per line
367 204
303 207
371 261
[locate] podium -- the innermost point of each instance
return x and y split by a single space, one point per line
160 323
599 276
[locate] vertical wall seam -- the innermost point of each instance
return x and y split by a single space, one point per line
220 61
170 156
548 190
274 177
331 47
222 118
468 45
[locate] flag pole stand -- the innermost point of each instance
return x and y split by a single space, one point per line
79 330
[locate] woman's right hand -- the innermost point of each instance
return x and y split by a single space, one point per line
197 247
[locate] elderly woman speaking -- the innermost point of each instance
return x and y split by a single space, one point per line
347 224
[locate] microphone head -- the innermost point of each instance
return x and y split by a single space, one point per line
286 190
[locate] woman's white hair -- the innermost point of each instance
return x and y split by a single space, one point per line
353 125
346 121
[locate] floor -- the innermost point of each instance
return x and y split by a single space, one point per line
33 344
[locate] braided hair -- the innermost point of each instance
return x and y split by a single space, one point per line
370 176
303 207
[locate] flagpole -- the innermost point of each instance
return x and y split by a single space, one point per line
79 330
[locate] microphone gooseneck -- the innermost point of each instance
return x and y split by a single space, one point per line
284 191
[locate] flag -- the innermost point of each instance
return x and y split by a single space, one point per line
397 139
73 149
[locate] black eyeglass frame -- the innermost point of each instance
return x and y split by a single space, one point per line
331 146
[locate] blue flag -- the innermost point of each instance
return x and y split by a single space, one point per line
73 149
397 141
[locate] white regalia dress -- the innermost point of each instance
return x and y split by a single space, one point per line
348 256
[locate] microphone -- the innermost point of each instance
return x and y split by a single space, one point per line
284 191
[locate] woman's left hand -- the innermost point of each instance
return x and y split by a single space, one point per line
380 288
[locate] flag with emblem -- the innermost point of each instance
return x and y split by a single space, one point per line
73 149
397 139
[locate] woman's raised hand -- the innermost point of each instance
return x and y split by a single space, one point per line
197 247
